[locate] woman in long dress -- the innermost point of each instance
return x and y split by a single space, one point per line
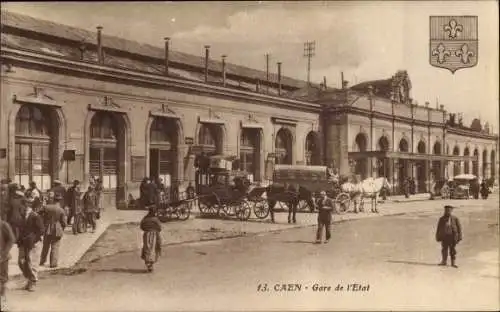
151 238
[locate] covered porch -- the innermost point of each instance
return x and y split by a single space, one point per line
398 166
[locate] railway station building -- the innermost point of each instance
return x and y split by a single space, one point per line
77 104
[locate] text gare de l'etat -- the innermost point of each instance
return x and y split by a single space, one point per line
354 287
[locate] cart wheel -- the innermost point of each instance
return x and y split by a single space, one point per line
204 207
183 212
261 209
229 210
343 200
243 211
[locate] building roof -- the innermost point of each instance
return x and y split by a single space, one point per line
381 88
21 25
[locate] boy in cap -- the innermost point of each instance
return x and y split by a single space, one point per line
449 233
325 208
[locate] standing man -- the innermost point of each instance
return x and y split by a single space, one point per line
325 208
17 202
30 234
89 207
73 200
7 241
54 220
449 233
59 192
34 193
293 193
99 188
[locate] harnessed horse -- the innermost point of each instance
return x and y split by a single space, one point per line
368 188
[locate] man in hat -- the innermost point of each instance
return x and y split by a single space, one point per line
59 192
325 208
449 233
90 208
7 241
30 234
34 193
54 220
73 200
16 206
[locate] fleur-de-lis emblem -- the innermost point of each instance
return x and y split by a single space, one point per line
441 53
453 28
464 53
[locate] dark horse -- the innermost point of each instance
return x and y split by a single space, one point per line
289 194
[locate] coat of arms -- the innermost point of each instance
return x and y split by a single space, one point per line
453 42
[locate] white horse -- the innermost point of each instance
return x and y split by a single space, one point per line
368 188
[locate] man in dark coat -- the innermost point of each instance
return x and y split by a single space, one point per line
73 200
449 233
325 207
16 206
7 241
293 193
90 208
30 234
54 220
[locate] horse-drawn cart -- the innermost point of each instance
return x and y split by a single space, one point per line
225 193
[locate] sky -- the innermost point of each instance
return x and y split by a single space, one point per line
365 40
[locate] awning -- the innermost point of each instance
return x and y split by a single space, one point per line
410 156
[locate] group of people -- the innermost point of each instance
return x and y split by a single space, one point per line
35 221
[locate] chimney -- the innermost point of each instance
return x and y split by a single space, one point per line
427 104
441 107
324 82
224 70
257 87
342 79
167 44
100 58
279 78
207 54
82 49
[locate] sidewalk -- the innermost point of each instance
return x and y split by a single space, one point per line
118 231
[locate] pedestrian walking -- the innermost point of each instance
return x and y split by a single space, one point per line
90 207
30 235
99 188
7 241
73 200
449 233
325 207
17 201
54 220
151 238
293 194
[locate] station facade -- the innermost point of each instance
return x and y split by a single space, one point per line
77 104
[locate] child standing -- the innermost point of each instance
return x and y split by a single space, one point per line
151 238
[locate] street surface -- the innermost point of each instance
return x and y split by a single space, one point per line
392 259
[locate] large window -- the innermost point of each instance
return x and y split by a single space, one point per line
248 150
33 147
283 147
312 150
104 149
162 149
207 138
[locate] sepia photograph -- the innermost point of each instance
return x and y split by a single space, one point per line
249 156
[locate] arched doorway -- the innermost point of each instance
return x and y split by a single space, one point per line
313 157
383 164
456 164
466 162
436 164
163 147
36 160
210 143
250 153
107 154
421 169
283 147
493 165
404 164
361 145
475 163
485 164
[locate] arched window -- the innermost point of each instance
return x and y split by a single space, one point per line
249 152
475 163
485 164
209 139
361 165
403 146
283 147
103 150
33 146
312 150
162 150
421 147
466 163
456 164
